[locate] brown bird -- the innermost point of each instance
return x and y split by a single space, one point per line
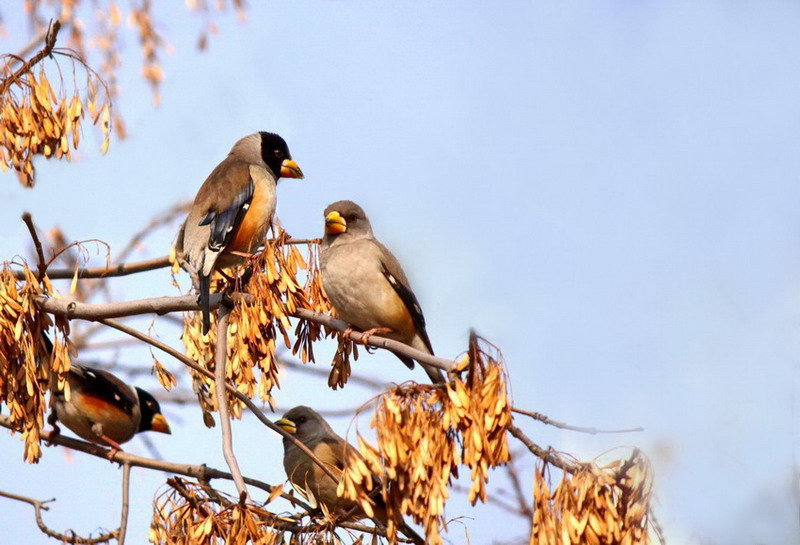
309 479
366 284
233 209
103 409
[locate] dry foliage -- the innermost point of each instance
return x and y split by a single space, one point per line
26 368
36 120
315 299
424 434
41 115
595 505
191 514
257 321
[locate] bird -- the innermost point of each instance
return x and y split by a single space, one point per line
232 211
308 427
366 284
102 409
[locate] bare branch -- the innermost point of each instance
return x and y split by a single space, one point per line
236 393
49 44
42 266
163 305
123 523
354 378
164 218
200 472
123 269
525 506
39 506
549 421
545 455
220 359
376 340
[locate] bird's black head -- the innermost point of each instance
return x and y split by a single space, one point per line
346 217
304 423
152 419
276 155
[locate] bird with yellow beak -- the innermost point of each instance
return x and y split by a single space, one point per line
233 209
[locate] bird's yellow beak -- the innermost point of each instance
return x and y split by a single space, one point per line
335 223
160 424
287 425
290 169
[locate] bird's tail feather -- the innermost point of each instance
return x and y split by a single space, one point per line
435 374
406 360
204 289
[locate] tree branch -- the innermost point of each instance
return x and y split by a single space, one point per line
220 359
354 378
37 244
123 523
49 44
236 393
545 455
549 421
525 506
164 305
123 269
200 472
39 506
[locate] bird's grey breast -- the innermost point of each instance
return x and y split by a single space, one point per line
352 278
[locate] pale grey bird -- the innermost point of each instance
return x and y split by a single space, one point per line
366 284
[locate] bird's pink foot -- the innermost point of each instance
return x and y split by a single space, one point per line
243 254
374 331
115 447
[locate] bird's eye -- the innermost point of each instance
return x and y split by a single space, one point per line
301 420
278 153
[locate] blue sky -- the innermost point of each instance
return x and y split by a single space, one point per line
607 190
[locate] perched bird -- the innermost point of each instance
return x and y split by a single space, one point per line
103 409
366 284
309 479
232 211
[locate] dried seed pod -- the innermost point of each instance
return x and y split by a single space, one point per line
28 369
596 504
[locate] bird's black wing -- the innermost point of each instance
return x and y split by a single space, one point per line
103 385
224 223
397 279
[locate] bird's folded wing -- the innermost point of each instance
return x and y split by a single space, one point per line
230 188
103 387
397 279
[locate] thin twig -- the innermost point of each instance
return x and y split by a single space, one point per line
654 524
164 218
549 421
28 49
354 378
516 485
40 506
123 522
163 305
200 472
124 269
220 359
545 455
49 44
42 266
231 389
